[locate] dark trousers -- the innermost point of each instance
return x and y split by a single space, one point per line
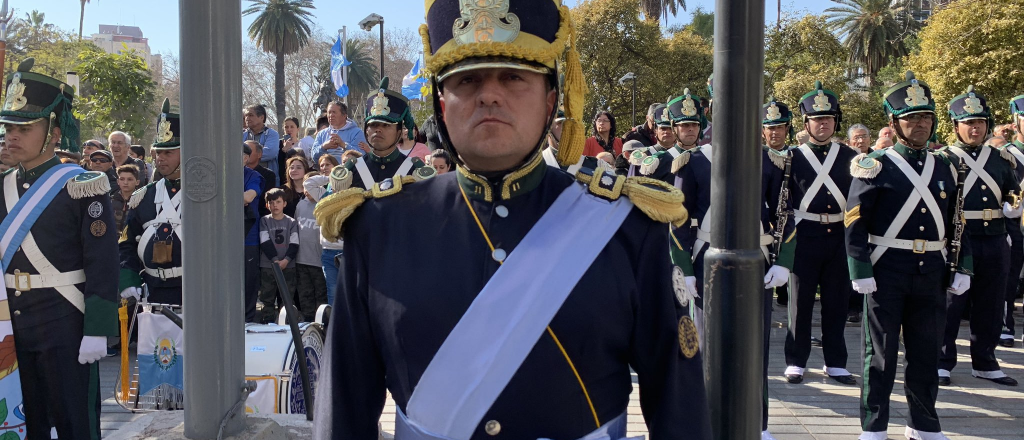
269 292
57 390
986 299
914 304
311 286
165 295
698 307
820 261
1013 277
252 281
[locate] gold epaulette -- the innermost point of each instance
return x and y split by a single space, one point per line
660 201
680 161
88 184
863 166
1005 153
137 196
332 211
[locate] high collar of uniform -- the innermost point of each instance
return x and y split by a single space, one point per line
394 156
173 184
910 153
967 148
33 174
1018 144
520 181
817 147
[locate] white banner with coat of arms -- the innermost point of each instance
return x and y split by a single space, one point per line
161 347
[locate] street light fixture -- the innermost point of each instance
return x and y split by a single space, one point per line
627 77
367 24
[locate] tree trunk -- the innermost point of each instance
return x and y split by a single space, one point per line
279 90
81 20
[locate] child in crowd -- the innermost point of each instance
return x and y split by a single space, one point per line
309 272
279 244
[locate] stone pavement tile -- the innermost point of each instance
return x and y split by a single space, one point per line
824 412
793 436
983 426
776 428
782 420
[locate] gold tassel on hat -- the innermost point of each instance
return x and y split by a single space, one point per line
573 132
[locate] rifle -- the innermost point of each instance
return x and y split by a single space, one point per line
781 213
956 224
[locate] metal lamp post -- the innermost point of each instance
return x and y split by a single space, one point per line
367 24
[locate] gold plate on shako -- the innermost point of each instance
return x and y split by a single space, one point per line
98 228
688 339
867 163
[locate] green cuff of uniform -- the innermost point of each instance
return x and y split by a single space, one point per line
860 269
966 266
682 259
128 278
100 317
787 253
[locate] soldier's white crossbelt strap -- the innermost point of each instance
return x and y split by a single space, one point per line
920 193
919 246
978 171
364 173
822 179
985 214
1017 154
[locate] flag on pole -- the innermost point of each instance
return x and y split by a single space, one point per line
338 61
413 83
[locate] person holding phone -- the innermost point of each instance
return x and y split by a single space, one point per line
341 133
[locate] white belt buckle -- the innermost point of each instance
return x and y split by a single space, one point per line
919 246
161 271
22 281
986 214
823 218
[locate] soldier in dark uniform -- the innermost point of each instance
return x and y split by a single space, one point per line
819 183
986 194
897 230
491 329
1013 226
60 277
150 245
687 118
387 113
691 241
706 139
550 154
665 136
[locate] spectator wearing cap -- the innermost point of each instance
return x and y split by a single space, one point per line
622 160
644 133
103 161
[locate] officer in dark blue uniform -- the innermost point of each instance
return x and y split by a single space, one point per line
897 231
61 288
150 244
688 123
691 241
819 184
387 112
1013 226
989 184
550 154
666 139
504 218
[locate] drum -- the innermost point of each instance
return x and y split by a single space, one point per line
271 361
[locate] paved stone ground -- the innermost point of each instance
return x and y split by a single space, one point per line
818 408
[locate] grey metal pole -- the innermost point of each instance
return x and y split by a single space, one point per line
634 100
734 266
211 97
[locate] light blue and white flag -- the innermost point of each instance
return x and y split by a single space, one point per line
413 83
338 61
161 348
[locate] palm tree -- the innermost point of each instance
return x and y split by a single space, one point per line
655 9
81 18
874 31
281 28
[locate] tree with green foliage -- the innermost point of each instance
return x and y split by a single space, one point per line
798 53
117 94
873 31
702 23
663 67
655 9
961 46
281 27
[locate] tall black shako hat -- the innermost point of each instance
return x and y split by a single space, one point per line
168 129
909 97
389 107
969 106
32 97
775 113
1017 105
686 108
531 35
662 116
821 102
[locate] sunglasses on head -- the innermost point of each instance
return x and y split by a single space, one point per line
99 160
90 144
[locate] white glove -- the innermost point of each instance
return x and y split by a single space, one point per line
1008 240
131 292
865 285
1009 212
93 348
960 285
691 286
777 276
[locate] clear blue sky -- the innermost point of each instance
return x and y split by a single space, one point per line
159 19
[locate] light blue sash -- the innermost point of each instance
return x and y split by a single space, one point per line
19 220
504 322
